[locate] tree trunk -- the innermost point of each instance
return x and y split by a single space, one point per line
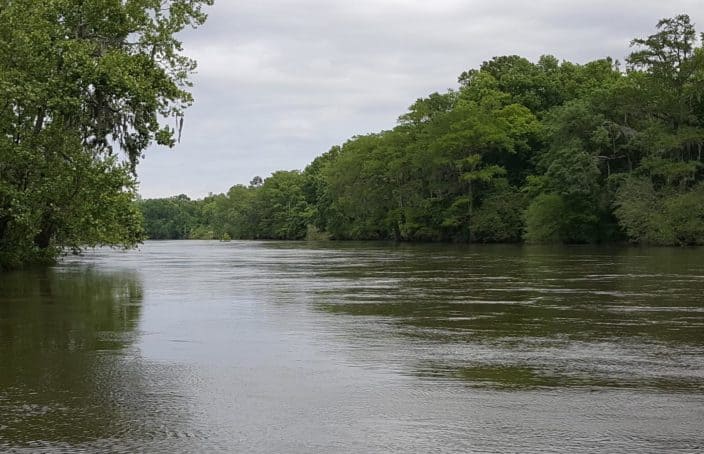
43 239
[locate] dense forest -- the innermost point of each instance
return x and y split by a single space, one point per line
542 151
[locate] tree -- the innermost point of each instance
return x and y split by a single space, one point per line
173 218
85 87
667 53
281 206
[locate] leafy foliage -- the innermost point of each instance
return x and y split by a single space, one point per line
542 152
82 83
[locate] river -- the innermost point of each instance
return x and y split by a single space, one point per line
258 347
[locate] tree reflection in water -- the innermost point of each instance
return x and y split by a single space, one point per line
61 380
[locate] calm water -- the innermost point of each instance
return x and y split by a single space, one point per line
355 347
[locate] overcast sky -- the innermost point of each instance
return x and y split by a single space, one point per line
280 82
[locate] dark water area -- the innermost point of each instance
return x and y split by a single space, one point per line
196 346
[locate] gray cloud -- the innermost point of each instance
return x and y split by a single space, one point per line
279 82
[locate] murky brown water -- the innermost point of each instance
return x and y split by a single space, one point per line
355 347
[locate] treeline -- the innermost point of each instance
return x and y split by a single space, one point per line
541 152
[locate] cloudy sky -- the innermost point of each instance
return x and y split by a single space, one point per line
281 81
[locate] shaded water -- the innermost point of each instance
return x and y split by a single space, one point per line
355 347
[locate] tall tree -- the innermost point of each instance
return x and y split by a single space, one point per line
85 87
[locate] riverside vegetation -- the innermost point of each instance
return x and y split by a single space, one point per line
521 151
84 86
540 152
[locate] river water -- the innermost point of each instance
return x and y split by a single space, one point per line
249 347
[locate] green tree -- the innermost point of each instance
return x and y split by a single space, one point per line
173 218
81 83
280 203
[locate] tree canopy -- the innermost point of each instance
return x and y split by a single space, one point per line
85 87
544 151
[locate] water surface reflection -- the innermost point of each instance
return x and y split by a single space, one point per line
71 377
355 347
512 317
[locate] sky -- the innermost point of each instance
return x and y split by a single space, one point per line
279 82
